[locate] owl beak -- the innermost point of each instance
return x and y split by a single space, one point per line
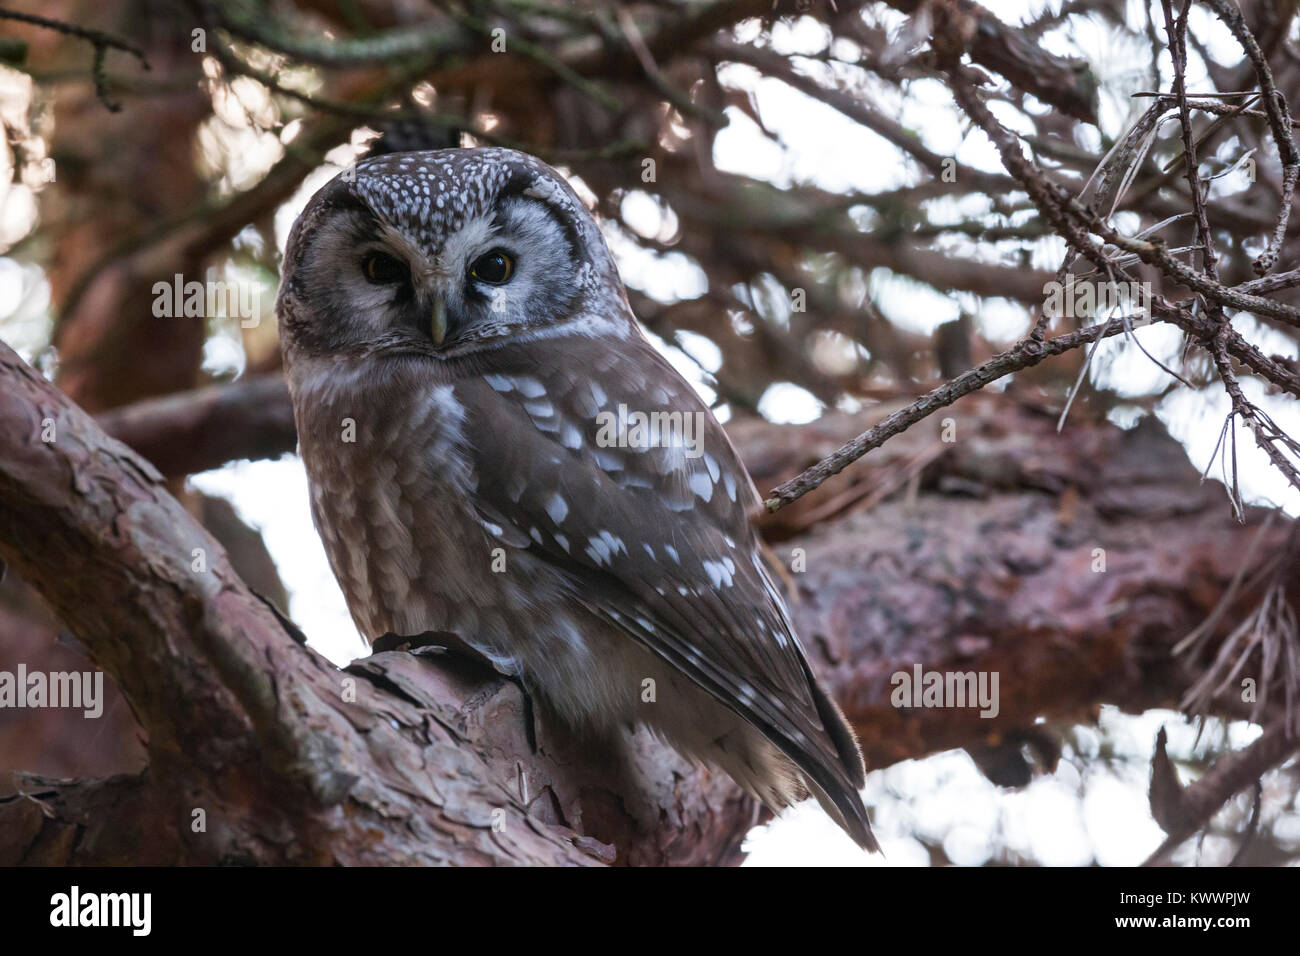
438 321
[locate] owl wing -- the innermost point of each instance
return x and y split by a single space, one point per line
656 539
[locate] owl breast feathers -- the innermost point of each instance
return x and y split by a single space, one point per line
495 450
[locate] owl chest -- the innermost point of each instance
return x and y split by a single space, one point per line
390 496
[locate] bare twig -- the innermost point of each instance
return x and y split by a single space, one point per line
1025 355
101 41
1279 118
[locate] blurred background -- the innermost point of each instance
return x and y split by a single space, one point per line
812 231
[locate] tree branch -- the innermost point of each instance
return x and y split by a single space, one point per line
400 759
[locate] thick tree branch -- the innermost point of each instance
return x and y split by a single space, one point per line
189 432
399 760
1070 563
1019 530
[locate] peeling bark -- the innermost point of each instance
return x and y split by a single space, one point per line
971 555
261 734
987 564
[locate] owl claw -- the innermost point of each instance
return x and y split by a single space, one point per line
429 642
529 715
437 643
528 711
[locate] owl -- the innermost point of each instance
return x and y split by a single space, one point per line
494 450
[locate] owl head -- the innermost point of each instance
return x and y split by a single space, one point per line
446 252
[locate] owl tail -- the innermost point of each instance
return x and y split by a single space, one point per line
847 810
784 781
836 784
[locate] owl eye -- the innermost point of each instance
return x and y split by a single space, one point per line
495 267
382 269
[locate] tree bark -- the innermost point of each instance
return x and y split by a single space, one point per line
976 554
1068 563
260 751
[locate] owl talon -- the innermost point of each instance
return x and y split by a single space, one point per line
428 643
407 642
529 714
439 643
